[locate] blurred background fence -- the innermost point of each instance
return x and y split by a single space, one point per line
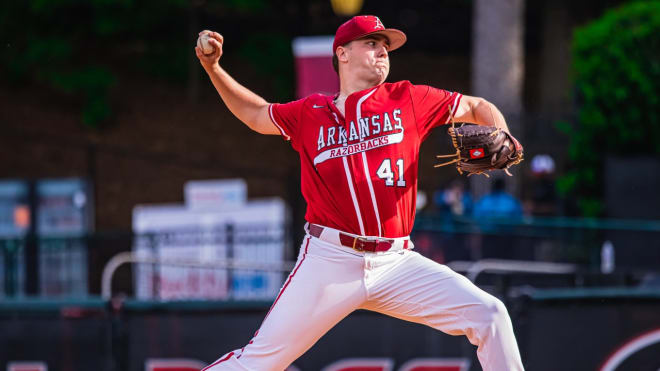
627 252
73 266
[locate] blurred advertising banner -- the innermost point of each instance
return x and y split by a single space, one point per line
27 366
14 208
64 207
314 72
63 216
215 194
244 231
15 219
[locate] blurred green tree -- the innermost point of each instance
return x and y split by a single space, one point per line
270 55
72 46
81 48
616 65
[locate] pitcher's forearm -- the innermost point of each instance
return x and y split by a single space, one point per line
485 113
479 111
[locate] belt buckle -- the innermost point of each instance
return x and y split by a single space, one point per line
365 240
355 240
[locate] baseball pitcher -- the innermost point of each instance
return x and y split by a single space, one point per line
358 154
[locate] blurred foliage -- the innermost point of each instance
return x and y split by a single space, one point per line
246 6
81 48
68 45
616 62
270 54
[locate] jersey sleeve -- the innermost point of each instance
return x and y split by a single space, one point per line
433 107
286 117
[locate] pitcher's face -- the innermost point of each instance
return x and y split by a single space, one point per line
368 58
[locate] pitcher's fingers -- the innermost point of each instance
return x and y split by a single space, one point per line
217 36
215 43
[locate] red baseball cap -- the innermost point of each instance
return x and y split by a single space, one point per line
363 25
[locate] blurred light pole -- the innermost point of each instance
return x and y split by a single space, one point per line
498 69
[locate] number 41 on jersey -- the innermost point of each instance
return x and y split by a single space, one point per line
386 172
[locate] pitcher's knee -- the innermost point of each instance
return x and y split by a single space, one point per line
492 312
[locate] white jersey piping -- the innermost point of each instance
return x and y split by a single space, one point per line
453 108
350 188
272 118
349 180
358 114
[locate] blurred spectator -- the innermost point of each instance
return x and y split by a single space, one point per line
497 204
454 200
541 199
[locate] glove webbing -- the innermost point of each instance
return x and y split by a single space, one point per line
454 138
458 152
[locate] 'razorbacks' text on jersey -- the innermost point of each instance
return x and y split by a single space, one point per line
359 172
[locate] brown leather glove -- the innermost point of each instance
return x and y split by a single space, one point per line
480 149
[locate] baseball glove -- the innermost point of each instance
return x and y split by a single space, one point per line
480 149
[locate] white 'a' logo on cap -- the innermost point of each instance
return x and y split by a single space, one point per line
379 24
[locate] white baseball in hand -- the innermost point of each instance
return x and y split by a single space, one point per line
203 43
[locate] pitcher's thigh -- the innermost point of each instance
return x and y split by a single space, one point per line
420 290
316 296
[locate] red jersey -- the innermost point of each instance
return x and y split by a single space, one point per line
359 172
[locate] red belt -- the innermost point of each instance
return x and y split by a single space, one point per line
356 242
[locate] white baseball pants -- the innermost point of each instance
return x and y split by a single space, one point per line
330 281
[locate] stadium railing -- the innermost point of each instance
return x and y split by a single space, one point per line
74 266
